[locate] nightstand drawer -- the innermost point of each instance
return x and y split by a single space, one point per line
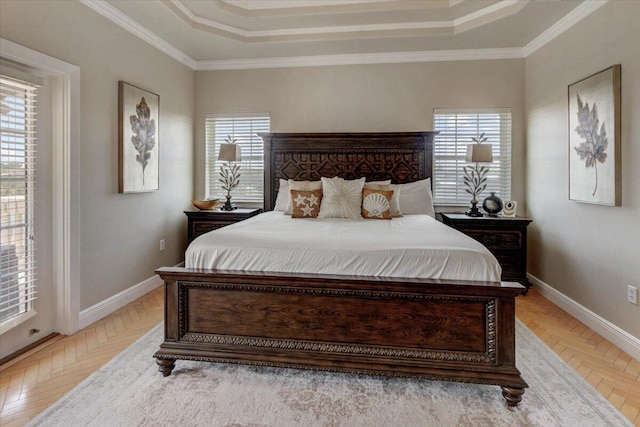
200 222
511 266
198 227
496 239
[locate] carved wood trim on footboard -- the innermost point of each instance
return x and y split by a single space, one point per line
453 330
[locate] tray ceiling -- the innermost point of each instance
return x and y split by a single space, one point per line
203 33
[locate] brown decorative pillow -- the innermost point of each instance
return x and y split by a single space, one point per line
301 185
305 203
395 199
376 204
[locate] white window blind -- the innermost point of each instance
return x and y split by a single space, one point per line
243 128
457 127
17 169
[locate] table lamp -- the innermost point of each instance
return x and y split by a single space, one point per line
475 177
230 172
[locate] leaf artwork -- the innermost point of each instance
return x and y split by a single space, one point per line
592 150
143 128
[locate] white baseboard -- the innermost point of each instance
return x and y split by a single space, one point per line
119 300
617 336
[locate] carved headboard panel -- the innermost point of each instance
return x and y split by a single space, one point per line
399 156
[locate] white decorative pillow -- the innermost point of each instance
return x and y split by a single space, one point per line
282 200
341 198
395 199
301 186
416 198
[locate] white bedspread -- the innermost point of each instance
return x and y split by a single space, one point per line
413 246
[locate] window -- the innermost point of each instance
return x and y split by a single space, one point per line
245 129
17 168
457 127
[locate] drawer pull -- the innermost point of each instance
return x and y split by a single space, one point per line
489 239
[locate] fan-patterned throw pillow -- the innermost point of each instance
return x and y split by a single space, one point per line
376 204
341 198
306 204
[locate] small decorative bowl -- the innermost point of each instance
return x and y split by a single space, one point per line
207 205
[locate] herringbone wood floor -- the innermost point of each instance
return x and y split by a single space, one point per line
30 385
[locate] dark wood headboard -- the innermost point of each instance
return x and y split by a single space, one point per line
399 156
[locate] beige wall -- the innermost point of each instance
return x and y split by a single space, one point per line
119 234
589 253
390 97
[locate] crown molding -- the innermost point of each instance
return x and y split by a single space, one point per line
113 14
569 20
314 5
359 59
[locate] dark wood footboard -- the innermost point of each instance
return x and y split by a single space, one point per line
453 330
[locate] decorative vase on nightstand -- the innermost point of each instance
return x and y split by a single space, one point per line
492 204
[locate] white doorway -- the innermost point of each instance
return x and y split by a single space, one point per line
57 201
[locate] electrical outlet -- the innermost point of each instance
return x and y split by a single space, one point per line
161 245
632 294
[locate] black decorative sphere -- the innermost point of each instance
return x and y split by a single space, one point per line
492 204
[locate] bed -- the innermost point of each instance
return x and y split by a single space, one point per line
444 328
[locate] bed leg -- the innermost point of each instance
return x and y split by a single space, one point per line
166 366
512 395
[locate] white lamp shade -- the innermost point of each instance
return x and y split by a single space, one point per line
479 153
230 153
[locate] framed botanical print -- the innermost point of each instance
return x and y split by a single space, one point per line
138 150
594 138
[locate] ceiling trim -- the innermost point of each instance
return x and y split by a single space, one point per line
113 14
308 7
585 9
363 59
105 9
458 25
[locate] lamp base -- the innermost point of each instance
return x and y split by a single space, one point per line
228 206
474 211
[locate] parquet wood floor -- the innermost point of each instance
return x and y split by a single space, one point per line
29 385
612 372
32 383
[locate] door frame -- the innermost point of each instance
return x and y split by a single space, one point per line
66 178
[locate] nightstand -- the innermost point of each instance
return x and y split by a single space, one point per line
506 238
200 222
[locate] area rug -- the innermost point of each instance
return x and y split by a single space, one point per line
129 391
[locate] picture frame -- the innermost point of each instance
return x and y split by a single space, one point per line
594 138
138 139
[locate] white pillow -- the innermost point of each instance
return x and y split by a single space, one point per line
386 182
282 200
395 198
301 186
341 198
416 198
